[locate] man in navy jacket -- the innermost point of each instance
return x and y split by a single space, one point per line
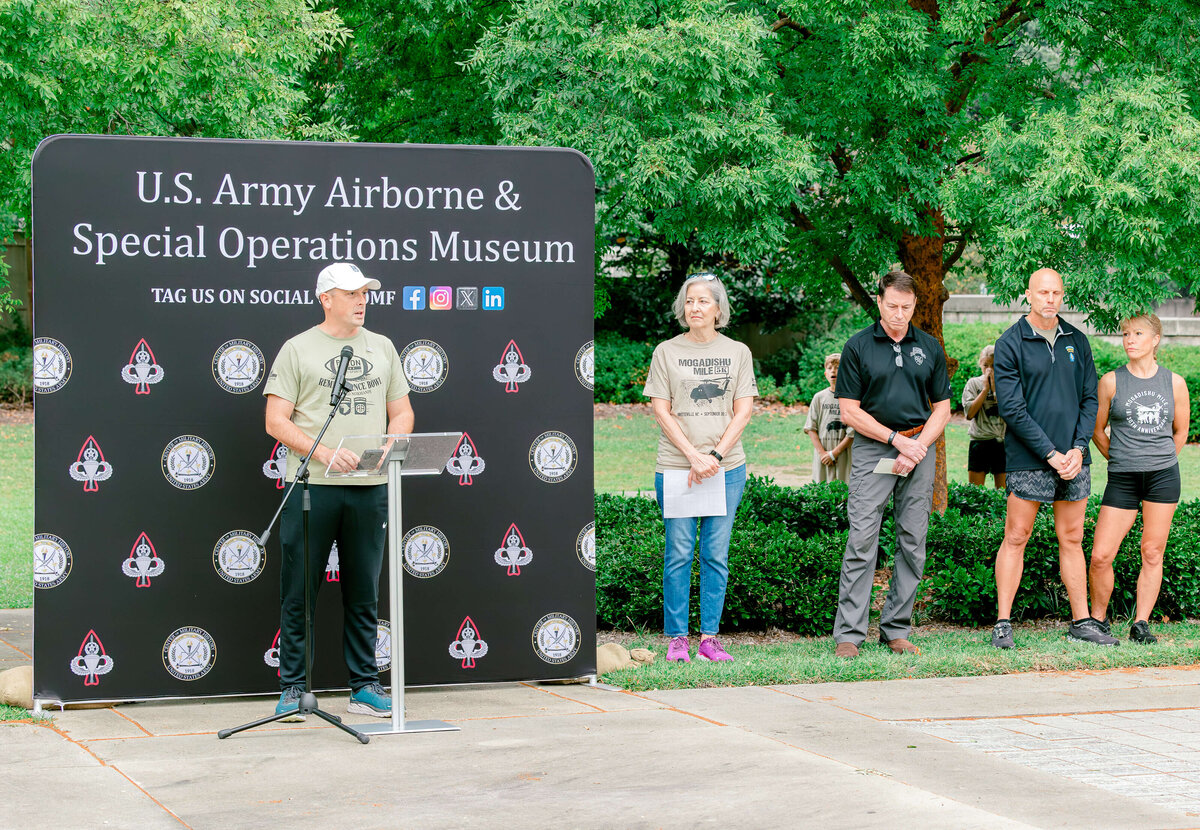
1046 388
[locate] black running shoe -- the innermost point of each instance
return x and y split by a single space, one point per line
1002 636
1091 631
1139 632
1105 624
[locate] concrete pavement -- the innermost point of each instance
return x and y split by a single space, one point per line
1032 750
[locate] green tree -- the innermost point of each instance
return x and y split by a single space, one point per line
856 134
217 68
399 78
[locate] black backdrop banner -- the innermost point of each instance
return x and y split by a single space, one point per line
168 272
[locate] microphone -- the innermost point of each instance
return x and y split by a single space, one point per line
347 353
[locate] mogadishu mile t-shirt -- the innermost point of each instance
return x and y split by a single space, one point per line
304 373
701 380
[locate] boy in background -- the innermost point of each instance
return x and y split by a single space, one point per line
830 437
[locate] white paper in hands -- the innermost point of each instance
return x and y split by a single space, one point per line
704 498
885 466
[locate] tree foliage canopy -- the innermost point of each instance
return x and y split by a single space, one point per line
854 134
217 68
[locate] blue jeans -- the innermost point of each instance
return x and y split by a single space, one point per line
714 532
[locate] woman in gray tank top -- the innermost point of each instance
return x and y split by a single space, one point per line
1146 408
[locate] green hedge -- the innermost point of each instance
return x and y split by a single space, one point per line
786 553
621 368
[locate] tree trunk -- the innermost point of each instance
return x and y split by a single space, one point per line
922 257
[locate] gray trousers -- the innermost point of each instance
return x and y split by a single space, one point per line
869 493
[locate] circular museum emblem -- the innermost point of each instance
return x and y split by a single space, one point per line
383 645
552 456
556 638
238 557
189 653
188 462
425 365
585 364
585 546
51 365
426 551
238 366
51 561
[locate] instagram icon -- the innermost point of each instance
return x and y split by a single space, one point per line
441 297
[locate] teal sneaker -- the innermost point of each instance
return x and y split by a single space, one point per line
289 701
372 699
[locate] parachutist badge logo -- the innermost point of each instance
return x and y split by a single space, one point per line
141 370
271 655
585 546
143 561
276 466
238 366
91 662
333 565
90 466
426 551
468 646
383 645
425 365
189 653
512 369
238 557
51 365
556 638
466 461
188 462
512 552
51 561
552 456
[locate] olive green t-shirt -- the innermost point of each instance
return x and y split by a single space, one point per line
701 380
304 372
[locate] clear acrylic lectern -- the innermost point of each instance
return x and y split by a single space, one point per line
418 454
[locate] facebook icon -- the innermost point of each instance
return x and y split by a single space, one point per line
493 298
414 297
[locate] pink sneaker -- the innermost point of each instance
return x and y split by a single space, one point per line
710 651
677 651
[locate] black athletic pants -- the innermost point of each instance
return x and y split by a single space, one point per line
354 517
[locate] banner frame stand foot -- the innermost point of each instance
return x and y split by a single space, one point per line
389 728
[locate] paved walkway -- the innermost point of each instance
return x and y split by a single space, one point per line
1031 750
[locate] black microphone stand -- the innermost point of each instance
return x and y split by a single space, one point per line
308 701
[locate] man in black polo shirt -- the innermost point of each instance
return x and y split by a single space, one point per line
895 394
1046 387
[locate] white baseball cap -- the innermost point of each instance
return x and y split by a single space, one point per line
346 276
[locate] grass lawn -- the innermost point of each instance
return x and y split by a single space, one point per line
16 515
953 653
777 446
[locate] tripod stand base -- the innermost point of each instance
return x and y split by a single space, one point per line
308 706
388 728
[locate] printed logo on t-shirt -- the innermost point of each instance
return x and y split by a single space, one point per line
1147 412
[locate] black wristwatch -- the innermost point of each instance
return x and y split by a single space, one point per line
716 455
892 438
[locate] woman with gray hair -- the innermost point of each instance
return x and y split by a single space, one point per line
702 388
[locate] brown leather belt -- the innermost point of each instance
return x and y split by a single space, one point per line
911 433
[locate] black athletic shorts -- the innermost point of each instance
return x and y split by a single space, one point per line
986 456
1126 491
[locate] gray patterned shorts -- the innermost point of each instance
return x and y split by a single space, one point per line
1045 486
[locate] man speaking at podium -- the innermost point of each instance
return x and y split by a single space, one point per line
349 511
